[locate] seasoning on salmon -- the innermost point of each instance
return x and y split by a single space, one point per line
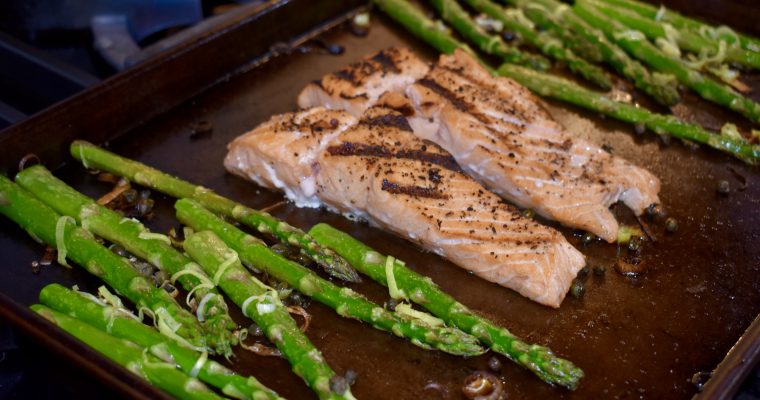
358 86
500 135
378 170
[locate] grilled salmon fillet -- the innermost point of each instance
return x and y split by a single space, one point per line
358 86
500 135
378 170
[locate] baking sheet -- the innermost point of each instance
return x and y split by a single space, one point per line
634 337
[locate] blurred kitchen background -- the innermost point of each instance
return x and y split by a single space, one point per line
51 49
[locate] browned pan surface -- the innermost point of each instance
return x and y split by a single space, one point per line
634 337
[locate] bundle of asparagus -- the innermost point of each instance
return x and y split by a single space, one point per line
561 89
78 245
210 307
123 325
131 356
262 304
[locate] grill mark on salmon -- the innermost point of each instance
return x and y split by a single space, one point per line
360 149
395 120
442 210
412 190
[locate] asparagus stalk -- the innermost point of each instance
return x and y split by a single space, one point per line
561 89
95 157
516 21
637 45
686 39
679 21
262 304
131 356
573 40
72 242
120 324
344 301
453 13
423 291
662 87
135 238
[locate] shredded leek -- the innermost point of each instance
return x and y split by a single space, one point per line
199 364
231 259
60 231
630 34
393 289
155 236
406 309
200 312
626 232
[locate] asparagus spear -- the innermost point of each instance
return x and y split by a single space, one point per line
92 156
679 21
452 13
262 304
561 89
130 356
135 238
686 39
662 87
119 323
573 40
344 301
637 45
540 360
47 226
516 21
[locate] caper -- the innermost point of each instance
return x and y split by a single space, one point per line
634 245
671 225
577 289
130 196
391 304
587 238
724 187
528 213
599 270
583 272
494 364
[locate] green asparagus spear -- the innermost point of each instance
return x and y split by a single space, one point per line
94 157
561 89
344 301
685 39
131 356
636 44
516 21
76 244
135 238
662 87
679 21
262 304
540 360
570 38
122 324
452 13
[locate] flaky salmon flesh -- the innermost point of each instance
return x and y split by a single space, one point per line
500 134
374 168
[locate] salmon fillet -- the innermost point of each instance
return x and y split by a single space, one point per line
358 87
379 171
499 133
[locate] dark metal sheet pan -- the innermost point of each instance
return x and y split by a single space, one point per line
642 337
